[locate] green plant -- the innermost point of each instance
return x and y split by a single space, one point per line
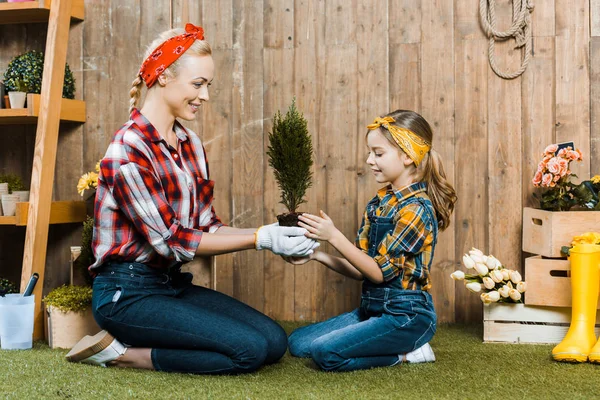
290 155
26 71
20 85
7 287
70 298
14 182
86 257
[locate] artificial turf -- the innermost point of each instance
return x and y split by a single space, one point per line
465 368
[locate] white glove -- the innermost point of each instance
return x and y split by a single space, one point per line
284 240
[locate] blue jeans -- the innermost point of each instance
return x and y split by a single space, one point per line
189 328
389 322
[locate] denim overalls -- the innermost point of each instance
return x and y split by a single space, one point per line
390 297
390 321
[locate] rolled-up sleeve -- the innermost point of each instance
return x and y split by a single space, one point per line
408 237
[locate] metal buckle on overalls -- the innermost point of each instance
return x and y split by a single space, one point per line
167 279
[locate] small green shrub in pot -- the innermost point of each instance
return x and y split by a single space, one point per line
70 298
7 287
26 71
14 182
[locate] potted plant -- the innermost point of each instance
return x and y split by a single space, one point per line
69 315
567 209
9 201
290 155
83 256
25 71
18 94
7 287
89 181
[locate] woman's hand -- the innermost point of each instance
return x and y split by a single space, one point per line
320 228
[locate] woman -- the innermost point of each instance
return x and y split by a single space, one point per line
153 213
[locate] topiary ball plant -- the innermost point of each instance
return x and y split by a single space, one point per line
290 155
25 71
7 287
70 298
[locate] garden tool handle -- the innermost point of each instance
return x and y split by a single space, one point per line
31 284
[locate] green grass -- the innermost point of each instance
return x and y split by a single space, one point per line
466 369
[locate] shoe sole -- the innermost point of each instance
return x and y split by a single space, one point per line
594 358
570 357
90 345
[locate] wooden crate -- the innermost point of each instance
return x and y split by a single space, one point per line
545 232
548 282
521 323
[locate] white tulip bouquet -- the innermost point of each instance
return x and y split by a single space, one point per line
495 283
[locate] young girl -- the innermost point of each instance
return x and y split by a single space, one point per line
393 254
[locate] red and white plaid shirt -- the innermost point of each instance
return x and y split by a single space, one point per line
153 201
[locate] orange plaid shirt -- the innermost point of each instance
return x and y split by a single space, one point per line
406 251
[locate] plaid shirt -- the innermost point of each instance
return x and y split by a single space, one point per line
406 251
152 202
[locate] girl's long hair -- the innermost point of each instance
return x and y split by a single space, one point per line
430 170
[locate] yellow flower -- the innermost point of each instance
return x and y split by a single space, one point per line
587 238
87 181
595 179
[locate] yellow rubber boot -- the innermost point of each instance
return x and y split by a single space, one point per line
577 344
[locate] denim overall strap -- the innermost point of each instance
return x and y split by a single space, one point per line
381 226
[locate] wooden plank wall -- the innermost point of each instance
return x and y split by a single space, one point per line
347 62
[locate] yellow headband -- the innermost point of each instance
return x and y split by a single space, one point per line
412 144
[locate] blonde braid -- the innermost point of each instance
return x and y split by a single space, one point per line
135 93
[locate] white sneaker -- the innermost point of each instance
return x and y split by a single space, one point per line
421 355
97 350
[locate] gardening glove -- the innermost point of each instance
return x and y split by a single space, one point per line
283 240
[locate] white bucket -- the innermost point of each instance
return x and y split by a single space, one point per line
16 321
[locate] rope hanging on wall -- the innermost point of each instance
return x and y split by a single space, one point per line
520 30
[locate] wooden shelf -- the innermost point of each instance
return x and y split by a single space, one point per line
35 11
61 212
71 111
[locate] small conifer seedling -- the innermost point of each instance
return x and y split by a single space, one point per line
290 155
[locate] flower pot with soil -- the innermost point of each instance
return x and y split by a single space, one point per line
290 155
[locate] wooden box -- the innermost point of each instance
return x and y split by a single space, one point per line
64 330
548 282
522 323
545 232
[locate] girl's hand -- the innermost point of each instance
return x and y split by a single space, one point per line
298 260
318 228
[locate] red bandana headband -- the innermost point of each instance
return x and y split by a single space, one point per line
168 52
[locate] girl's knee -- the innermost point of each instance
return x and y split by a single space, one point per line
326 357
298 344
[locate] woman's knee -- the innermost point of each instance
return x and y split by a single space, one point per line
251 355
277 342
